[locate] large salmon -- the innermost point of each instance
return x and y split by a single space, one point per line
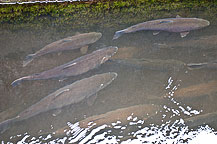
75 67
153 64
70 94
141 112
69 43
178 25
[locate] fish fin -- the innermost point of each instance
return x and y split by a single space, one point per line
91 100
178 16
118 34
56 112
61 92
166 21
6 125
184 34
18 81
62 79
84 49
156 32
192 66
28 59
68 66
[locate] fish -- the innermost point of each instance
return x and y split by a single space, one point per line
142 112
177 25
75 67
69 43
206 65
197 90
70 94
201 119
203 42
153 64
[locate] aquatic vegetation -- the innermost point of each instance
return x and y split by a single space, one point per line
88 14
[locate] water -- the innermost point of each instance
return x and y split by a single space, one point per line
133 86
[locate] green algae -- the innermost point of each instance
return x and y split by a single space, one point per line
102 13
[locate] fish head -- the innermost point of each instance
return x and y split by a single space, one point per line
108 52
106 79
95 36
202 23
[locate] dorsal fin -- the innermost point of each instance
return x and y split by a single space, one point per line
178 16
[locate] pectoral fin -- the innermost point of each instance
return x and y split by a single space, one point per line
68 66
62 79
58 94
156 32
91 100
61 92
184 34
84 49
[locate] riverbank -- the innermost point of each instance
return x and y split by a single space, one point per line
102 13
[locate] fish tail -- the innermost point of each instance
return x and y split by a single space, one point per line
18 81
118 34
196 65
28 59
6 124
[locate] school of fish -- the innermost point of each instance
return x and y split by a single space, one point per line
87 87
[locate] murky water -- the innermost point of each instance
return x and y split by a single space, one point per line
134 86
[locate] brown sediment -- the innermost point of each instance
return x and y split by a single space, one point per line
142 112
197 90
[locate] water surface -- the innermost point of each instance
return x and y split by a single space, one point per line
133 86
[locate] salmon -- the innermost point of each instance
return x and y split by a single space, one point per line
75 67
142 112
70 94
69 43
177 25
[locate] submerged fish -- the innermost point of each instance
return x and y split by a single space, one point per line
207 65
75 67
197 90
201 42
178 25
201 119
153 64
142 112
69 43
70 94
